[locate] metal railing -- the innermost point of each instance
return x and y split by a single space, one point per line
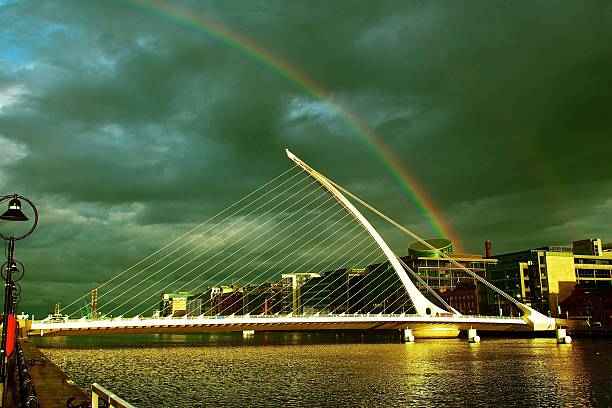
25 392
283 315
103 398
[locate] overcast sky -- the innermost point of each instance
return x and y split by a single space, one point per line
126 127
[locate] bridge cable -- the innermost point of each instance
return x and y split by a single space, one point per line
280 301
182 236
392 275
242 238
427 244
207 240
232 254
288 255
339 248
336 279
298 299
223 240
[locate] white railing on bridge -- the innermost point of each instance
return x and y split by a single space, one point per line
276 316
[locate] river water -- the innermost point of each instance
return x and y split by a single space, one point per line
337 370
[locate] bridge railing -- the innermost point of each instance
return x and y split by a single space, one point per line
99 393
290 315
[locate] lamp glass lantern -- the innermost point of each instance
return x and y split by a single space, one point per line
14 212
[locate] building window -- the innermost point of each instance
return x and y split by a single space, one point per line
585 273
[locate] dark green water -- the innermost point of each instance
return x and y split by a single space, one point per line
337 370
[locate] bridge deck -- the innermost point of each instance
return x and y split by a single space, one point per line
272 323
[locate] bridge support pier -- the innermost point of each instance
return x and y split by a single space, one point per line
248 333
407 336
562 337
473 337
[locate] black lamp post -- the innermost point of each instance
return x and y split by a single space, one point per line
13 213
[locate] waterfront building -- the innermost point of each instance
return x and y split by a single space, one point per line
184 303
593 268
226 300
206 303
323 294
215 300
464 298
383 291
296 281
356 278
445 278
338 291
590 303
544 277
267 298
197 303
174 304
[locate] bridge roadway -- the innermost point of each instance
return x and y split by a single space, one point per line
135 325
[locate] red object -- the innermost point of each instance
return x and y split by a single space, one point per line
488 248
10 335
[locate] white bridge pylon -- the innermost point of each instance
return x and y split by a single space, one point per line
423 306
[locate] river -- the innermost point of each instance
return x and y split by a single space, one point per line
337 370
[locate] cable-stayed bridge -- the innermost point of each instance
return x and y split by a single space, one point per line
295 254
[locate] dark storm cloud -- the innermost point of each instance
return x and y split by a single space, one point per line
126 128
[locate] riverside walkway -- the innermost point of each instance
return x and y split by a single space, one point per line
53 387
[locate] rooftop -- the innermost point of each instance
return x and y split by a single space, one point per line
438 243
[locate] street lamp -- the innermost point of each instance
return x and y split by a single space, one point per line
13 213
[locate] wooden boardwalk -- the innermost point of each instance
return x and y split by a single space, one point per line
52 386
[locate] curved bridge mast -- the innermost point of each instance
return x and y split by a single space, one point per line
422 305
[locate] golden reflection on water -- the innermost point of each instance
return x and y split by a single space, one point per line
339 370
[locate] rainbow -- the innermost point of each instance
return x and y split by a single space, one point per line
249 49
